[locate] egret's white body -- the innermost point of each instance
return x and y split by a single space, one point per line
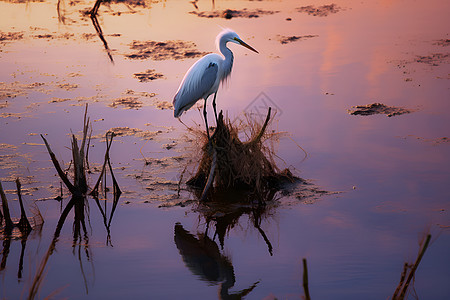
205 76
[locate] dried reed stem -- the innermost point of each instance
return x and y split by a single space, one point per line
402 288
23 224
8 222
58 168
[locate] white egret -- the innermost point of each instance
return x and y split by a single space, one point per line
204 77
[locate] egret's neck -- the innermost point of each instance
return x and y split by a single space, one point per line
228 62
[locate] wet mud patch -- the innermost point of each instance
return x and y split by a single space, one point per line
127 103
294 38
148 75
320 11
378 108
164 50
233 13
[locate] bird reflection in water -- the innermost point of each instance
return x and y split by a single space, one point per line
203 258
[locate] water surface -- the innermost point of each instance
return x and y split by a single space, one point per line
388 177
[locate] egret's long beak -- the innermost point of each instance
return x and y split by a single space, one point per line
245 45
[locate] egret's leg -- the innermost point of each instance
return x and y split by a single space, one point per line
214 106
206 120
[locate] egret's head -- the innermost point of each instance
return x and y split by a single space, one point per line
228 35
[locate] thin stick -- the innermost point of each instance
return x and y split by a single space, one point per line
263 128
211 175
305 280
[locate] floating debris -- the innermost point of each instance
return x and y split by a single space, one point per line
321 11
164 50
127 103
289 39
148 75
378 108
233 13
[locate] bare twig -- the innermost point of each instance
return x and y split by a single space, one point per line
211 175
263 128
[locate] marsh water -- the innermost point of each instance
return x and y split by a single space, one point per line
378 181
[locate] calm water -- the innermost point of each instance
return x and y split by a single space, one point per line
391 175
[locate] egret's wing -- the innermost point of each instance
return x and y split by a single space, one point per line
197 84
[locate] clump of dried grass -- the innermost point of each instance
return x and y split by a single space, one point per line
229 162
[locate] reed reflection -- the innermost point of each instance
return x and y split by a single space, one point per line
79 203
10 231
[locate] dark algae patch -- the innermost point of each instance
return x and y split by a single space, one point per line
320 11
233 13
164 50
378 108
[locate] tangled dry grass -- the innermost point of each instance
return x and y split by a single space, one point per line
230 163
